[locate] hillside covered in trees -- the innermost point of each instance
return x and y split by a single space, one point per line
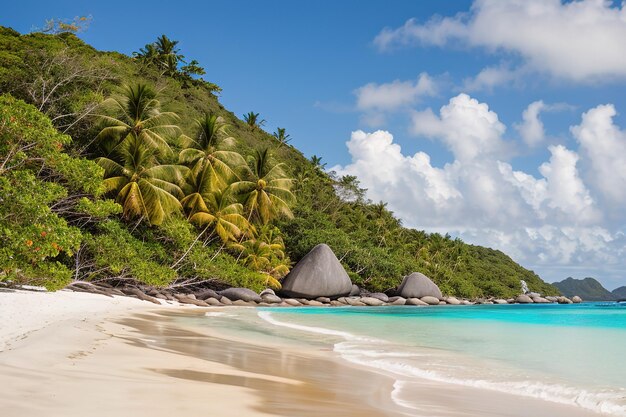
128 169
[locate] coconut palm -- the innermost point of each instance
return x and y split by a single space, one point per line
142 187
212 165
137 112
282 136
252 119
223 215
265 188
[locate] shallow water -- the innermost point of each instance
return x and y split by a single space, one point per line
569 354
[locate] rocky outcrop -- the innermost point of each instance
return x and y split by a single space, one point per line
418 285
576 299
318 274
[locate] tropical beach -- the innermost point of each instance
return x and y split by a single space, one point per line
76 353
274 208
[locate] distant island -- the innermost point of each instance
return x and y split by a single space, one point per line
589 289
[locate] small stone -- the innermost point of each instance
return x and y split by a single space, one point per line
500 301
398 301
226 301
314 303
442 303
540 300
453 300
576 299
433 301
242 303
336 303
212 302
323 299
416 302
380 295
271 298
292 302
243 294
371 301
467 303
267 291
523 299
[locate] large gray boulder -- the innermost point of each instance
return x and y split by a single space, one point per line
417 285
243 294
318 274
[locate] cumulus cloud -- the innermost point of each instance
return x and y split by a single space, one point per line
550 220
467 127
575 40
604 144
376 100
531 129
490 77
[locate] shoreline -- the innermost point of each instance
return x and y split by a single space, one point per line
119 356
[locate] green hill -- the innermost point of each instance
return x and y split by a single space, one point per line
619 293
66 84
588 288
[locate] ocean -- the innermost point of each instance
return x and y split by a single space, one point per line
567 354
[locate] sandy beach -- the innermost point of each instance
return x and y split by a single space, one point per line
77 354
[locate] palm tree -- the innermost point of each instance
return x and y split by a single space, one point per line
317 162
259 256
212 166
223 215
282 136
252 119
137 112
265 188
142 187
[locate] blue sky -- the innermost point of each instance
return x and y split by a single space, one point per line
427 97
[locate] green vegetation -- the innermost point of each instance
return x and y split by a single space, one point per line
589 289
103 178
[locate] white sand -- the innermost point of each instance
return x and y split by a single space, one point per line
25 312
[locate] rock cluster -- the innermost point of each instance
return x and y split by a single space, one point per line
317 280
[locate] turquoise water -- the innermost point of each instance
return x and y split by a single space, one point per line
570 354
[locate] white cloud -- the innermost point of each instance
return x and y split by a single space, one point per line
552 221
604 144
394 95
467 127
375 101
490 77
531 129
575 40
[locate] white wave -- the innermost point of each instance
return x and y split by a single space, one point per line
594 401
217 314
267 316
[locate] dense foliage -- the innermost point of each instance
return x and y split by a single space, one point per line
588 288
170 188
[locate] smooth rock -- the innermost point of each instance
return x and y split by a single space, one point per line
325 300
416 302
500 301
552 298
336 303
243 303
226 301
540 300
510 300
342 300
430 300
213 301
264 304
442 303
371 301
453 300
353 301
397 301
466 303
380 295
576 299
271 298
564 300
523 299
292 302
318 274
207 293
267 291
354 291
418 285
314 303
243 294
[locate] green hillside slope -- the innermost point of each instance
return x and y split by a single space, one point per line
588 288
68 82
